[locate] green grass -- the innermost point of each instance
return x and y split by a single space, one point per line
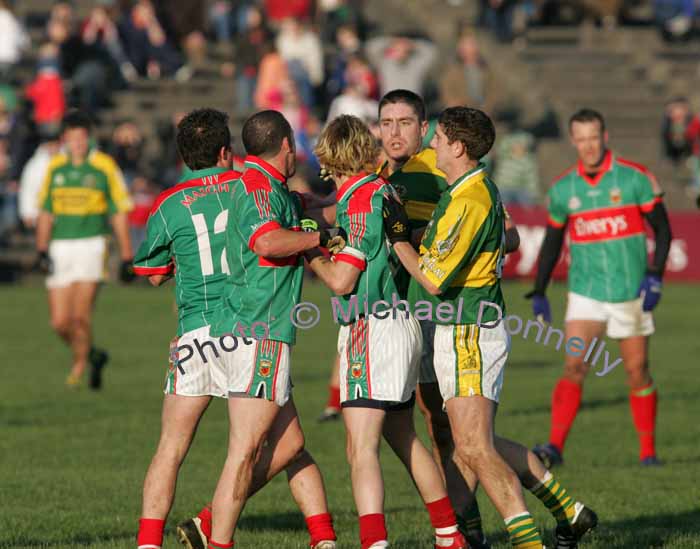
72 463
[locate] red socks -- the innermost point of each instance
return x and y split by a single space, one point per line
372 529
150 533
205 516
217 545
566 399
643 403
320 528
333 397
442 514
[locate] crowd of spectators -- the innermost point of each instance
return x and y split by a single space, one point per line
311 60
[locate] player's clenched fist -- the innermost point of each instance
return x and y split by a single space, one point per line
333 239
395 220
43 263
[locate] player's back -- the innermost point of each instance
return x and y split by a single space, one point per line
189 222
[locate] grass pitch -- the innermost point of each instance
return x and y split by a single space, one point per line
72 463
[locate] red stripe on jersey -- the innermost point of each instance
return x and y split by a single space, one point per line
646 208
605 224
554 223
265 228
351 259
277 345
148 271
223 177
254 179
636 165
289 261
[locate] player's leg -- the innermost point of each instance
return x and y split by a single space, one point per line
83 304
332 409
363 428
60 299
399 431
179 420
471 419
567 393
643 396
573 518
250 421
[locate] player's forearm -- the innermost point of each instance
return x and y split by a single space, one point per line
512 238
157 280
660 224
120 224
410 260
549 255
283 243
340 277
43 231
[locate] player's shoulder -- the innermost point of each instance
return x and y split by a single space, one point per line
367 197
425 162
253 180
57 161
639 170
102 161
564 177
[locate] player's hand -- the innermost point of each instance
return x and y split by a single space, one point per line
540 307
43 263
650 291
396 224
333 239
126 271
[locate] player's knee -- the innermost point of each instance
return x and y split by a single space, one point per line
575 370
61 325
471 455
637 373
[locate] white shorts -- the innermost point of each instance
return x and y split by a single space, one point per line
625 319
427 366
259 369
470 360
197 364
77 260
379 358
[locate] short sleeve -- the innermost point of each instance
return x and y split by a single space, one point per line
364 225
261 211
558 213
44 199
648 191
118 198
459 234
154 256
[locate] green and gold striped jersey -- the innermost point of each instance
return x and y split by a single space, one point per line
463 248
82 197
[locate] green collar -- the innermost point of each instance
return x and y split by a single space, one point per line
479 169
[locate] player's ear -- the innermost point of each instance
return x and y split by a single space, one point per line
423 128
225 155
605 137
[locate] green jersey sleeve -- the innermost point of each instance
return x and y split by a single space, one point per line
558 213
154 256
364 225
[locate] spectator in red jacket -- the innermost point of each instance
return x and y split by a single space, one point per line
46 91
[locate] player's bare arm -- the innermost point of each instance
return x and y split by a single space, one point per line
340 276
43 230
120 225
283 243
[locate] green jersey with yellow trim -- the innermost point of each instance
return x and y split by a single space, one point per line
186 236
359 212
604 214
463 248
82 197
260 293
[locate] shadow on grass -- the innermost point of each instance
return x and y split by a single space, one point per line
278 521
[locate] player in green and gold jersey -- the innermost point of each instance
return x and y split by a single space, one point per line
83 192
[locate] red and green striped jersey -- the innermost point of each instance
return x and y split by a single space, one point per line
604 215
186 234
82 197
261 292
359 212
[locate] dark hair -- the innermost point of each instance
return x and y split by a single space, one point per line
264 132
405 96
200 136
471 127
587 115
76 119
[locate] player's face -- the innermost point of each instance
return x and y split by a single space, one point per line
400 131
443 150
589 141
77 141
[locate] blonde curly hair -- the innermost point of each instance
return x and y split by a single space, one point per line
347 147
